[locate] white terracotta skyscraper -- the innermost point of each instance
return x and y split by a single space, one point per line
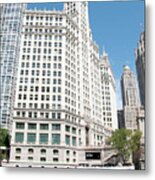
58 118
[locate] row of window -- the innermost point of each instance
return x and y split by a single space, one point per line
43 159
44 44
47 23
44 138
32 126
43 97
44 151
36 65
47 18
39 50
43 72
38 58
46 37
48 80
46 115
39 106
41 30
57 127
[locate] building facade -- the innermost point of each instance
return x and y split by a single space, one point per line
10 38
58 119
108 90
130 98
140 67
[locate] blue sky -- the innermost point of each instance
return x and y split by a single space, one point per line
116 26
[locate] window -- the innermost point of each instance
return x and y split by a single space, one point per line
67 139
31 138
18 150
55 159
43 151
55 138
67 159
74 141
32 126
59 116
54 73
67 128
55 151
54 81
47 89
31 151
74 130
17 157
20 125
53 116
59 81
59 98
67 152
44 126
56 127
19 96
47 97
19 137
43 138
59 73
79 131
54 89
43 159
74 153
30 158
48 81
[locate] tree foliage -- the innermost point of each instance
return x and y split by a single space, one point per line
4 137
4 141
126 142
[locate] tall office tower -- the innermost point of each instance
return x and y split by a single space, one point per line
10 34
108 93
120 116
57 114
140 67
130 98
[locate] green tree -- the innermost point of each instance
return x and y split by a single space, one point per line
4 142
126 142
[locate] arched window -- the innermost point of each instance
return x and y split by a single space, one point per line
43 151
18 150
55 151
67 152
30 150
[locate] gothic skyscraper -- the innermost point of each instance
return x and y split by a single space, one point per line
58 111
130 98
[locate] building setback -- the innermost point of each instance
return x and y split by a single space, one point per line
140 67
10 34
58 117
108 90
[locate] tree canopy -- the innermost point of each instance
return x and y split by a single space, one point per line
126 142
4 137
